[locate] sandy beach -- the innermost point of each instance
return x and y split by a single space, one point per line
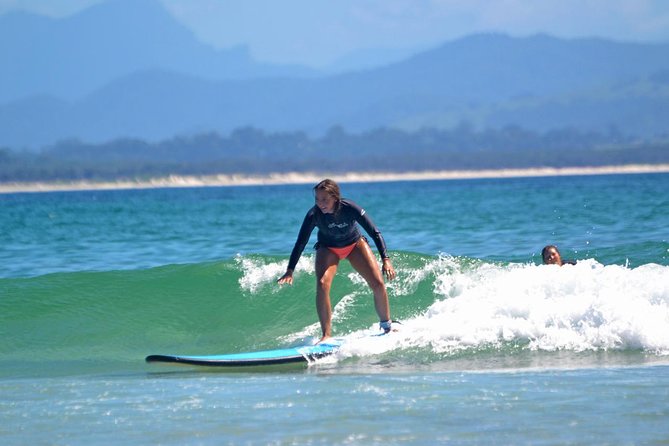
176 181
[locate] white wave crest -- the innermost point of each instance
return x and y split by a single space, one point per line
586 307
256 273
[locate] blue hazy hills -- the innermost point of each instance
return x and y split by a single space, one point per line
126 68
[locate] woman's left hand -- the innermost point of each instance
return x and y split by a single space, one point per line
388 269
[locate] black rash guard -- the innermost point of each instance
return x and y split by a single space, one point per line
336 230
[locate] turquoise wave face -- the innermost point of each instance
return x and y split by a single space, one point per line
452 310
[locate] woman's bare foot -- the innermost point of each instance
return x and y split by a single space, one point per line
324 340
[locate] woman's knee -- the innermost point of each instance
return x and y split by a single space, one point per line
324 283
324 280
376 284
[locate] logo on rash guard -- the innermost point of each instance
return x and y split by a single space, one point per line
335 225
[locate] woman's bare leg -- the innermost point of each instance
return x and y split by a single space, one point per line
363 261
326 268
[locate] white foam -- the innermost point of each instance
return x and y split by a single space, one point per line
584 307
258 274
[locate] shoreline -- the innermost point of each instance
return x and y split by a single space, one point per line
183 181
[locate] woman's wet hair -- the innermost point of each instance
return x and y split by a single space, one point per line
331 188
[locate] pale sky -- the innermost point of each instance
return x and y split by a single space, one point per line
317 32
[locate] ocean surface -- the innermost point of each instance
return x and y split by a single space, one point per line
494 348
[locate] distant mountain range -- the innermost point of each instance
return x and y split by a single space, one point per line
75 55
126 68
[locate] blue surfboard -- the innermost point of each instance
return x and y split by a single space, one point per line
292 355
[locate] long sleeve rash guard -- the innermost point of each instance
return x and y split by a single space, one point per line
336 230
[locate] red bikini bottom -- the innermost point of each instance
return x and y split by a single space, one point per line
344 252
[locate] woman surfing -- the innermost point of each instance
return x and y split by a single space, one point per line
339 238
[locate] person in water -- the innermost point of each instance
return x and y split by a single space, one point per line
551 256
339 238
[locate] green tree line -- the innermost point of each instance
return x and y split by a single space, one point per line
253 151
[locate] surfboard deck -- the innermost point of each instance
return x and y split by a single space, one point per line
292 355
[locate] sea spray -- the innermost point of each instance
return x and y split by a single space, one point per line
587 307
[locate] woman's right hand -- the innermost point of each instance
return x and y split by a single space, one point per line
286 278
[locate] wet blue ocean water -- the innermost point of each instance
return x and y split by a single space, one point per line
494 347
